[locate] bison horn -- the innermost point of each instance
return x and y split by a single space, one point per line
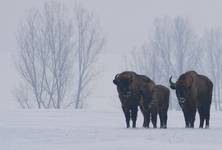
117 76
172 85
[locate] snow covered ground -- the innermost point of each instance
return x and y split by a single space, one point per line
100 130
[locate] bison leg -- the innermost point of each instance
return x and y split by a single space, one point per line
154 119
127 116
186 118
134 116
201 120
163 119
144 121
148 119
192 118
204 115
144 117
147 113
207 114
200 111
207 117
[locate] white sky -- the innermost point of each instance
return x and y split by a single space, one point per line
126 24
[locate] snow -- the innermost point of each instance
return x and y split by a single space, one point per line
100 130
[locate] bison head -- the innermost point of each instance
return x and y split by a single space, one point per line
123 82
182 87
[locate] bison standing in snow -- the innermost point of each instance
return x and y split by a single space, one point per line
155 101
194 92
129 89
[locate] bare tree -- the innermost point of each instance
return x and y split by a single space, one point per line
90 42
56 56
45 42
162 43
211 44
185 46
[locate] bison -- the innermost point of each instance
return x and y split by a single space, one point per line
129 89
138 90
194 92
155 101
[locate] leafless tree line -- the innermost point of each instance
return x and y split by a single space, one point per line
56 56
174 48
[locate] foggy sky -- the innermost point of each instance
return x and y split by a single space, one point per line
125 23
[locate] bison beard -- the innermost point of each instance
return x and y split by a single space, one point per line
194 92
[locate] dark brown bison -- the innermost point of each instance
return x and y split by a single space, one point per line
194 92
155 105
129 89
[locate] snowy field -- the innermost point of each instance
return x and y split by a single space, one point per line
95 130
